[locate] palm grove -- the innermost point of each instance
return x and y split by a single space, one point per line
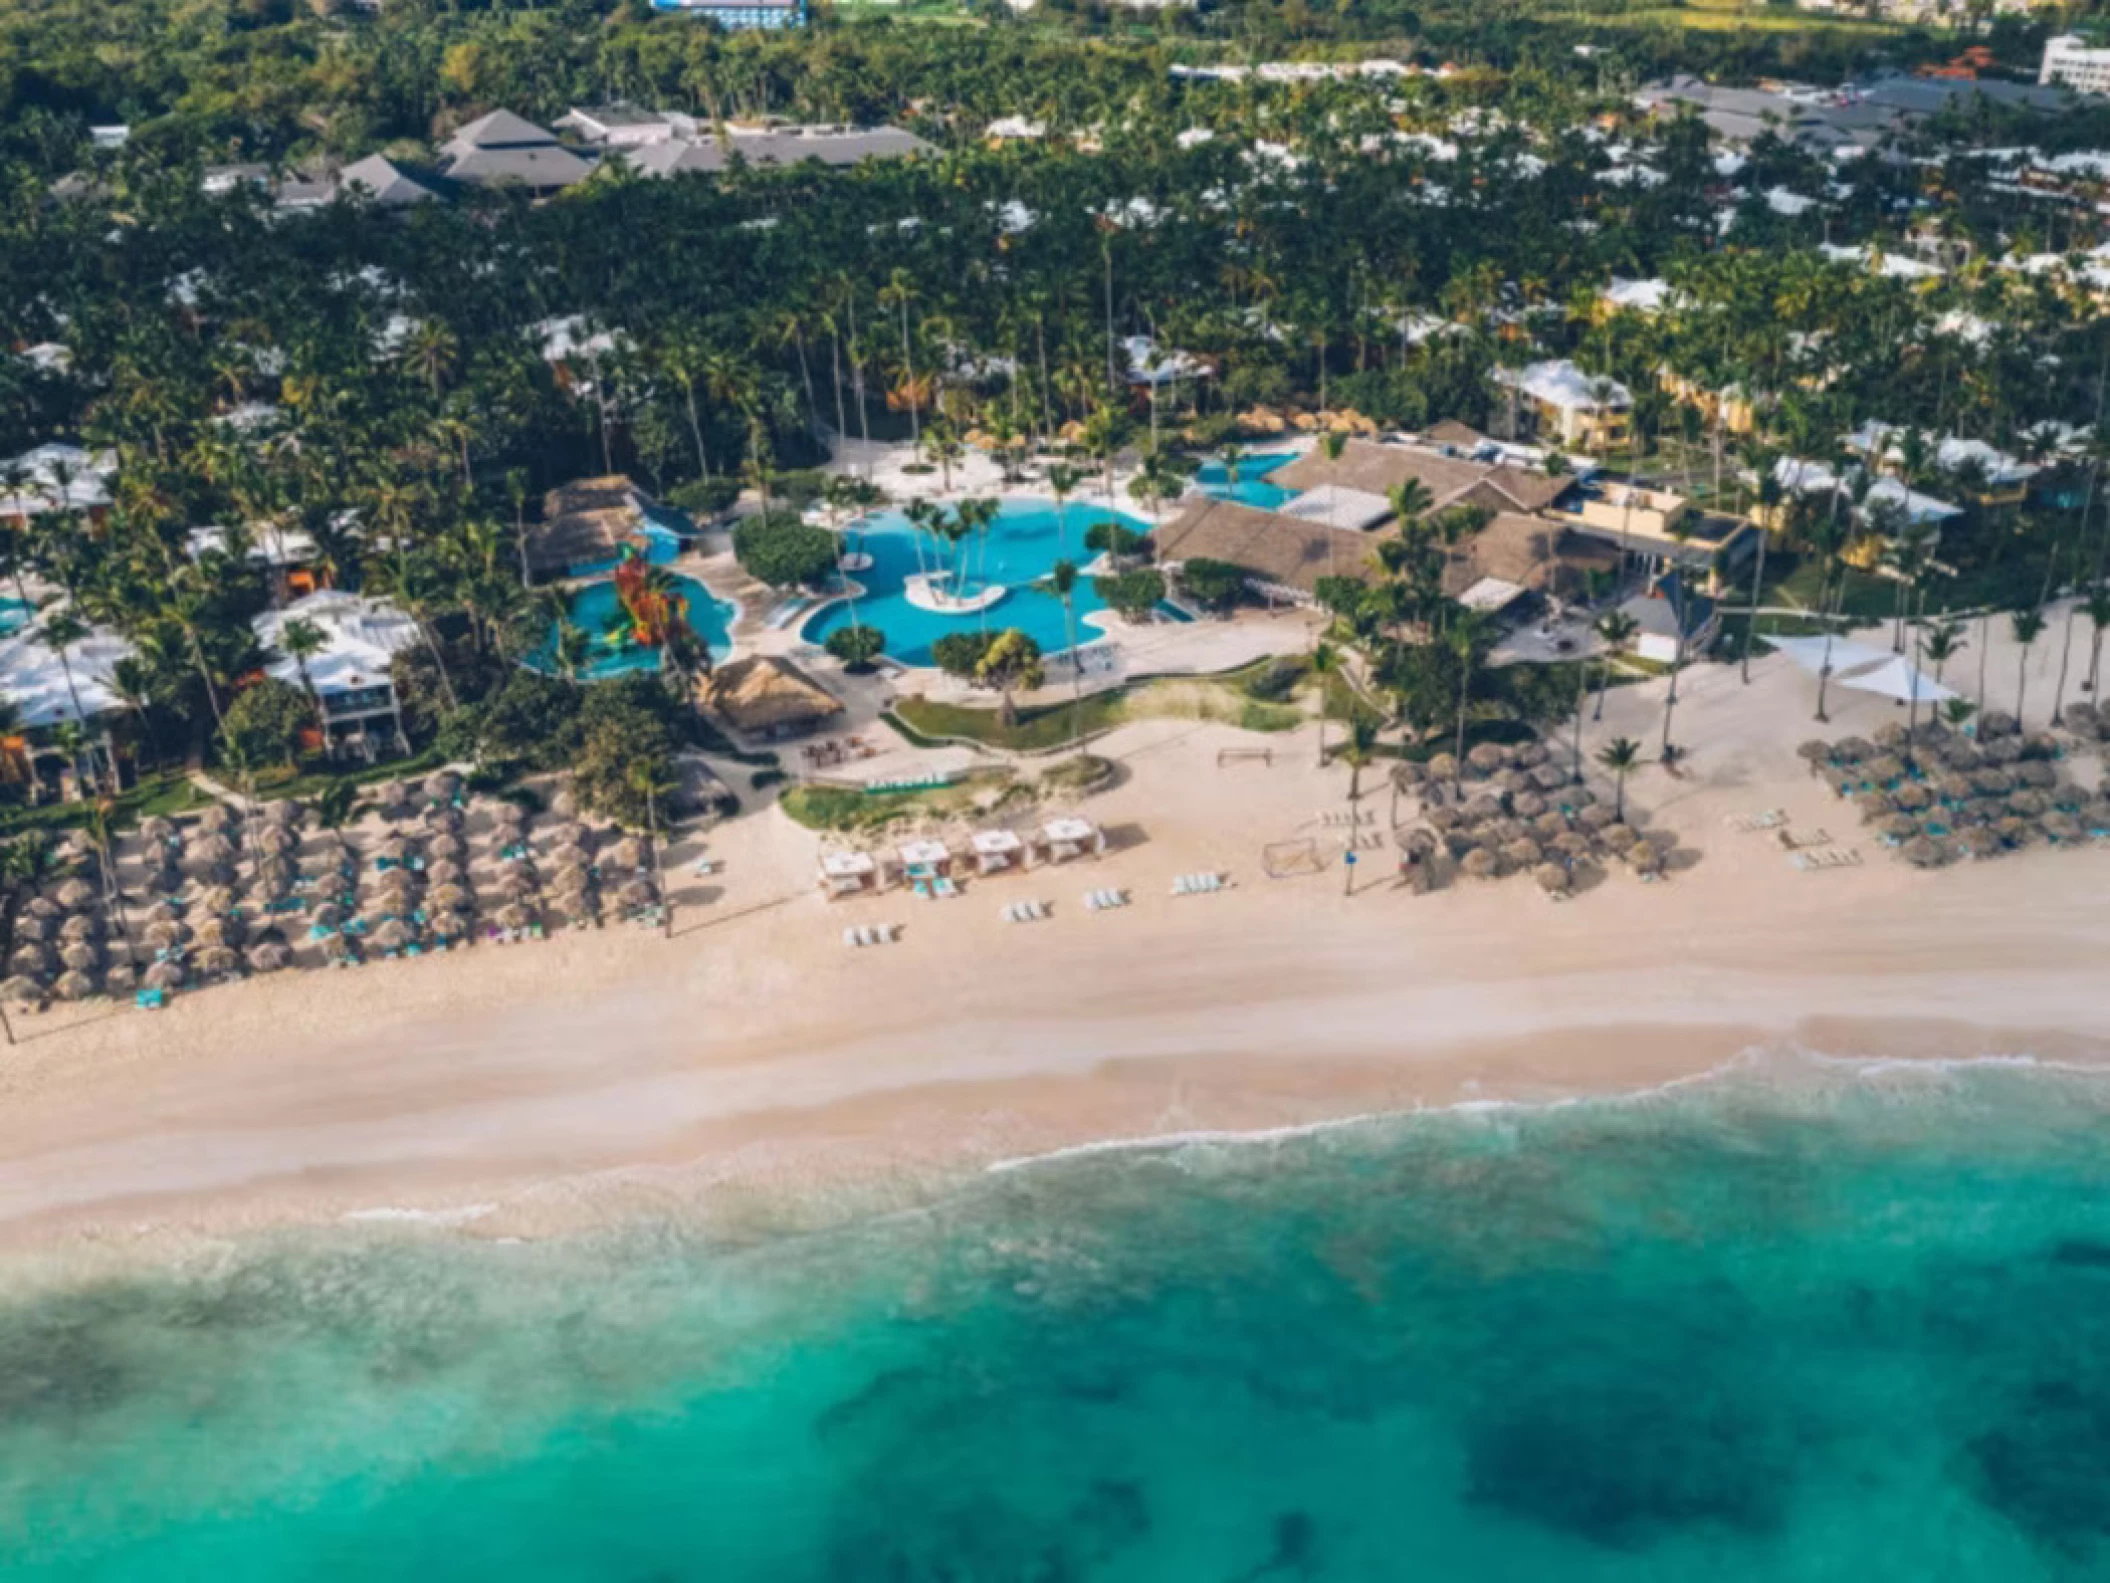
988 286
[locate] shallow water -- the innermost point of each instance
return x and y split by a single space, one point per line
1849 1327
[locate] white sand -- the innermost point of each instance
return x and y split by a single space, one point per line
754 1053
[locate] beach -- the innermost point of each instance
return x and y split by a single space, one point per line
755 1067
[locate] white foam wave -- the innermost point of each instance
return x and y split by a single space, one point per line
397 1215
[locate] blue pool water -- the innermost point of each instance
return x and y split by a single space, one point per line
594 605
1025 542
1252 488
1854 1329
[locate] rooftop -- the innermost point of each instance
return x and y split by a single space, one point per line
362 636
1265 545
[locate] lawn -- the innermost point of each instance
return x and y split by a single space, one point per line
846 810
1728 16
170 792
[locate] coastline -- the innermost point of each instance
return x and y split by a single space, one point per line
754 1073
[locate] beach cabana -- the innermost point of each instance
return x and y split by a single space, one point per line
925 860
848 874
1065 840
997 850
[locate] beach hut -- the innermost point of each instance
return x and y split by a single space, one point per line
924 861
1066 839
848 874
995 851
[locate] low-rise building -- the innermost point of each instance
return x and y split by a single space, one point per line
2071 62
1672 622
503 150
588 524
707 150
56 477
1561 402
355 693
741 14
1373 468
1282 557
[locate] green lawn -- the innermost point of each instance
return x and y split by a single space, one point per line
1727 16
846 810
1224 698
170 792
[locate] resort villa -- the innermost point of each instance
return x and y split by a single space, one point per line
56 478
1560 404
765 698
503 150
355 694
49 687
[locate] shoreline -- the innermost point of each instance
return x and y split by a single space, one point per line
759 1076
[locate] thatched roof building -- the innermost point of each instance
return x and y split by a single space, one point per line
763 696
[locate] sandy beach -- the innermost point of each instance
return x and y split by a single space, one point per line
754 1066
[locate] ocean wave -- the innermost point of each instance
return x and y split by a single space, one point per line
393 1214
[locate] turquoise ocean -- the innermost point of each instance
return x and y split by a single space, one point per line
1848 1324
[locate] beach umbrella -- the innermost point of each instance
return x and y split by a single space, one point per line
74 894
155 829
1479 863
638 893
443 817
1664 841
2096 816
223 929
1874 805
22 990
392 934
396 891
1997 723
1500 832
2002 750
268 956
1884 767
2039 745
2028 804
1923 853
447 845
1957 787
210 850
1483 808
1815 752
565 805
515 916
1527 805
1960 753
1460 842
326 913
339 948
285 811
1550 777
1418 843
2014 830
217 960
163 975
44 907
75 985
168 879
1574 846
393 795
166 935
216 819
31 958
1550 824
442 784
1510 781
2030 772
1487 757
1978 841
450 925
1853 750
628 853
1890 736
451 897
2061 826
32 930
1408 772
1912 797
444 872
1595 817
1529 755
576 857
275 840
395 849
572 833
119 978
81 926
1523 854
216 898
516 883
1992 780
1443 768
80 956
2084 720
1898 826
1440 819
1553 879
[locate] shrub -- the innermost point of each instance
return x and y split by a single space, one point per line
782 551
704 499
1118 540
856 646
1133 594
1214 585
265 721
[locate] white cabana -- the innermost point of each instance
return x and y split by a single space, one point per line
997 850
1897 677
924 859
1843 655
848 874
1061 840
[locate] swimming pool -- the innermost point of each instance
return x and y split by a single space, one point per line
1252 488
1027 539
593 607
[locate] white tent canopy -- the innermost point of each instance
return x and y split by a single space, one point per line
1843 655
1898 678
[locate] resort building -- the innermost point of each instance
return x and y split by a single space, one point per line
588 524
1562 404
1514 563
1374 469
45 688
287 553
1663 528
56 478
620 126
382 183
355 693
766 699
1987 474
503 150
1283 557
1659 614
2070 62
704 149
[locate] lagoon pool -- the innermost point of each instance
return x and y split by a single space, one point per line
1028 538
594 606
1252 488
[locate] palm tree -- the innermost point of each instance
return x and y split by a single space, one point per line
60 630
571 649
1062 583
1616 630
300 640
899 292
2097 606
1621 756
2026 626
1325 663
1362 742
1943 641
1464 638
1063 480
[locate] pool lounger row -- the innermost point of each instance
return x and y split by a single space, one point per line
1026 912
869 934
1826 857
1197 884
1104 900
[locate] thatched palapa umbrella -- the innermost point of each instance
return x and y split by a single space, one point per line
163 975
218 898
2037 773
1548 825
450 925
74 894
80 956
210 851
1479 863
447 846
2028 804
442 784
449 897
1874 806
516 883
220 929
2060 826
216 819
1461 841
166 935
155 829
515 916
1443 767
1898 826
216 960
286 811
1418 844
395 849
1574 846
1483 808
1553 879
1923 853
275 840
326 913
392 935
628 853
1528 805
1441 819
1644 858
81 926
1978 841
268 956
22 990
1550 777
1487 757
1997 723
1523 854
75 985
1913 797
1815 753
339 948
393 796
32 930
443 819
32 959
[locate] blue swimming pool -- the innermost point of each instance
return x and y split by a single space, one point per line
1027 539
593 607
1252 488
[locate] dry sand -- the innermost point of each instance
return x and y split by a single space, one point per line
534 1086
